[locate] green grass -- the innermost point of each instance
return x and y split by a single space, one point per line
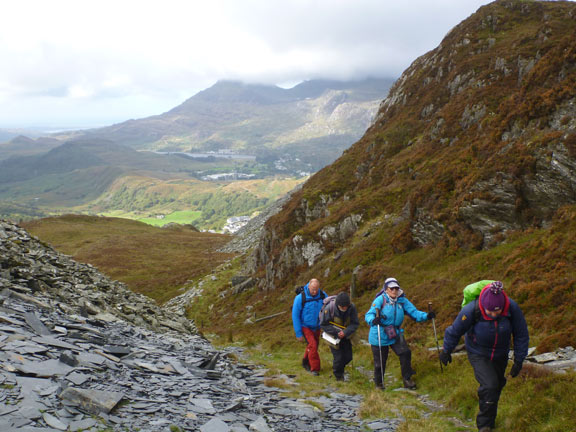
179 217
271 344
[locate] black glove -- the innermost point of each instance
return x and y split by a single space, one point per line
431 315
378 320
445 358
515 369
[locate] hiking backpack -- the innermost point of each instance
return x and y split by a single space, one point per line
471 293
329 302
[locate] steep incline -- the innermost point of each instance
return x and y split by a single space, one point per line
476 141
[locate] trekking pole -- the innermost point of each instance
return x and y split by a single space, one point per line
380 349
435 337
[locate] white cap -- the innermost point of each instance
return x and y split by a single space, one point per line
391 282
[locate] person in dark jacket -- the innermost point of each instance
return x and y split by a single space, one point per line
385 318
305 311
340 320
489 324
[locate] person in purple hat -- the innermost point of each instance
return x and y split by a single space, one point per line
489 323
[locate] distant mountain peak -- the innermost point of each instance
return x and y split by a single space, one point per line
475 140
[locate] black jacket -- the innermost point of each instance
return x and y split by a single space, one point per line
334 320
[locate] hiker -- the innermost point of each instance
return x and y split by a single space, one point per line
340 319
306 323
489 322
385 318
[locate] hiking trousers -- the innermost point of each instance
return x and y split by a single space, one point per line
490 376
405 358
342 356
311 353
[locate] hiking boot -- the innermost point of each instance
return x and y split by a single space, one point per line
485 429
409 384
339 378
379 386
315 373
306 365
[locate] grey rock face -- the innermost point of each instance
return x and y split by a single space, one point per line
300 251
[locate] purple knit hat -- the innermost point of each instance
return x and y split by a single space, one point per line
493 298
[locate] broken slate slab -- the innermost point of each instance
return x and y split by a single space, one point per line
38 326
215 425
202 406
52 341
54 422
93 401
44 369
77 378
85 424
260 425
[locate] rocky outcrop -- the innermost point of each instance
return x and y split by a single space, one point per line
301 251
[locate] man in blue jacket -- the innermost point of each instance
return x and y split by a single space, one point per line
305 318
385 318
489 323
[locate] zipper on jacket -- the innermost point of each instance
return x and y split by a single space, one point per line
495 340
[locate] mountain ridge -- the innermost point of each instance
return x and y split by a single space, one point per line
233 114
473 145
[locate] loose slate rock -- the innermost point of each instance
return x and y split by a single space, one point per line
54 422
93 401
37 325
215 425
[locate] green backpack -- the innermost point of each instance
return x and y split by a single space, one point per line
472 291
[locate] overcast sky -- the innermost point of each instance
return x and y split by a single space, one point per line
71 63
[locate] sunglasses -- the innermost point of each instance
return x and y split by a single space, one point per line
394 288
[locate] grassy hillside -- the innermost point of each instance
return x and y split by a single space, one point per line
152 261
208 204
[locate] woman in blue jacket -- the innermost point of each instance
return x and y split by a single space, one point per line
489 323
385 318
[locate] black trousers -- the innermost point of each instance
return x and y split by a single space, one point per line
381 354
490 376
342 356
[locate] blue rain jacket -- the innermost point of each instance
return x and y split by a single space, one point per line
394 312
307 316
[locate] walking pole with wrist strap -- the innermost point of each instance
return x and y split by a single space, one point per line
380 347
435 336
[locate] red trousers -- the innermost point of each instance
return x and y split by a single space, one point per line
311 354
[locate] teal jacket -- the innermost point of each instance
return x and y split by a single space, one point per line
394 312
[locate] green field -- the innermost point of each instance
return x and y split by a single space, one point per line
179 217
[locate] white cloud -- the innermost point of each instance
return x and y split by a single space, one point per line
69 61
